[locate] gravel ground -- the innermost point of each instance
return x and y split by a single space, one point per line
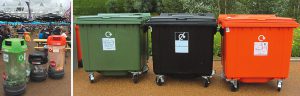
123 86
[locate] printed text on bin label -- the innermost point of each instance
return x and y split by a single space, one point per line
109 44
260 48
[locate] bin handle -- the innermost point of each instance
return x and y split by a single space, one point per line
221 30
147 28
181 18
105 17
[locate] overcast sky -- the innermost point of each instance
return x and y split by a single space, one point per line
35 4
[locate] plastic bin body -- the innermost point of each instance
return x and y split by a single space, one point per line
113 44
38 61
15 75
256 48
190 56
56 54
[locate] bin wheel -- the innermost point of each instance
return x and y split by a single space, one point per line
135 78
234 86
279 85
278 89
91 78
159 80
145 69
206 82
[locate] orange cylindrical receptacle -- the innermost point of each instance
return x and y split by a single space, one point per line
256 48
56 54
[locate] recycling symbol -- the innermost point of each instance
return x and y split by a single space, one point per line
181 36
108 34
21 58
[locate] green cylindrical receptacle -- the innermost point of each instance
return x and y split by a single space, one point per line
15 75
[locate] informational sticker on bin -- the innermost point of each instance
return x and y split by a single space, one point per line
181 42
260 48
55 49
108 43
5 58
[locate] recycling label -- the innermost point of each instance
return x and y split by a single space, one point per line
21 57
55 49
260 48
5 57
108 43
181 42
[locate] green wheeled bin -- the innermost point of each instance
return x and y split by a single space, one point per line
15 75
114 44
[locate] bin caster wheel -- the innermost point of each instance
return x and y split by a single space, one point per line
206 82
145 69
234 86
278 89
135 78
91 78
279 85
159 80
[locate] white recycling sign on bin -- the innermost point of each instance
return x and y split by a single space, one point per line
181 42
261 48
108 43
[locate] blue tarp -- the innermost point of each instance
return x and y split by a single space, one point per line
1 22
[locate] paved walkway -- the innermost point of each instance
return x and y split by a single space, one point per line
123 86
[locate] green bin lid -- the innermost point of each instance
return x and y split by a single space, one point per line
14 45
114 18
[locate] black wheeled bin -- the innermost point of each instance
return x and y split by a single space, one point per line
182 45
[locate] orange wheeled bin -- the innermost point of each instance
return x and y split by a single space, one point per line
255 48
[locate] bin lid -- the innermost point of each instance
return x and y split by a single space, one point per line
183 19
37 58
14 45
114 18
247 20
56 40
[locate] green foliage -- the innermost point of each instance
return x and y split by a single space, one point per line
191 6
217 45
140 5
296 43
150 41
114 6
88 7
132 6
171 6
261 6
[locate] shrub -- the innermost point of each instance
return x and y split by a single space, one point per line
296 43
114 6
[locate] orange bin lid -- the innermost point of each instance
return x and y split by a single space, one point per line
57 40
247 20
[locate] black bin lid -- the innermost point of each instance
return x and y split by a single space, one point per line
203 19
